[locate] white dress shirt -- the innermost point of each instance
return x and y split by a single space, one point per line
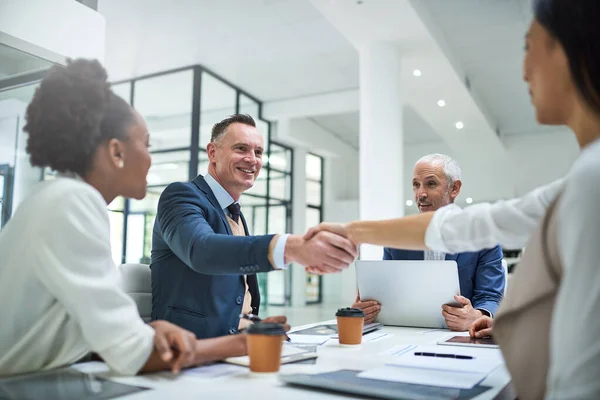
59 286
509 223
225 200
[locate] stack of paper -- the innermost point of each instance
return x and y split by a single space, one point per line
289 354
465 372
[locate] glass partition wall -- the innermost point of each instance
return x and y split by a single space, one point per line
314 216
180 107
20 73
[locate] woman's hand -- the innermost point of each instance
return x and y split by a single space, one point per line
174 345
481 327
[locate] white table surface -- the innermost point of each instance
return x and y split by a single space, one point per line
332 356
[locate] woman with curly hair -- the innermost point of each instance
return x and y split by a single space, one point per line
58 284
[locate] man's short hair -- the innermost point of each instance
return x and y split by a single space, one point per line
220 128
451 168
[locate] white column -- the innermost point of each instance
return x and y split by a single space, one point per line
340 205
381 177
299 223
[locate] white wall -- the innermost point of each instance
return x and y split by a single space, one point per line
51 28
539 159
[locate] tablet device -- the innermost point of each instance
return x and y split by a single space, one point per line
331 329
468 341
348 382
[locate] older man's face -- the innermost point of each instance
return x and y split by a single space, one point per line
430 186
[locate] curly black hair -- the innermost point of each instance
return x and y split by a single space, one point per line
72 112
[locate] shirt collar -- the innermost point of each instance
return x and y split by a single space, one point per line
222 196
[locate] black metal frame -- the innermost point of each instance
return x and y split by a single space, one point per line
195 150
7 171
321 218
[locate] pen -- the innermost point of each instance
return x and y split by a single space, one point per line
256 318
443 355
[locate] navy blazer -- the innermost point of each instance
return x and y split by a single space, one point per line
480 274
198 266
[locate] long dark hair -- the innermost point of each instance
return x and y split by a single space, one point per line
575 24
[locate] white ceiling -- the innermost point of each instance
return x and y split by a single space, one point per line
486 38
273 49
280 50
346 127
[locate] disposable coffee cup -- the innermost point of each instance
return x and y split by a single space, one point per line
350 323
265 341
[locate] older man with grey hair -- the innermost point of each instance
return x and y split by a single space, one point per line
436 183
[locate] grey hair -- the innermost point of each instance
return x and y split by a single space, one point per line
451 168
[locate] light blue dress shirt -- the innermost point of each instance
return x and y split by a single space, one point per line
225 200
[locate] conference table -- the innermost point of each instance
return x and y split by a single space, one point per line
225 381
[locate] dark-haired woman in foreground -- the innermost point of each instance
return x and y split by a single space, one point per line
59 295
547 326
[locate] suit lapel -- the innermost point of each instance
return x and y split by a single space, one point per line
203 186
244 224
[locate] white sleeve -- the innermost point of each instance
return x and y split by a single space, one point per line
575 330
509 223
75 265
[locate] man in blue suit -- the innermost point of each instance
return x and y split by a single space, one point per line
436 183
204 260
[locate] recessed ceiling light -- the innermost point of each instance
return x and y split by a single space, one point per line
469 200
409 203
441 103
459 125
417 72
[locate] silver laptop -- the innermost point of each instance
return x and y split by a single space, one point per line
411 293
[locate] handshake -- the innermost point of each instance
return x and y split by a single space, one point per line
324 249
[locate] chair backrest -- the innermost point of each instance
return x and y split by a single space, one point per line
506 274
136 282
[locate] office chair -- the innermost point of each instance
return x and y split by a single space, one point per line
135 281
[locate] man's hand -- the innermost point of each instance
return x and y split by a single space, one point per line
174 345
371 308
323 253
459 319
278 319
482 327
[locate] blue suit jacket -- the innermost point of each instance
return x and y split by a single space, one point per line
198 265
480 274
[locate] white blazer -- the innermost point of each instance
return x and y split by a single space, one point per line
59 290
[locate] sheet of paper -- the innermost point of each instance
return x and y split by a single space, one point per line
212 371
376 336
398 350
449 379
484 361
371 337
287 351
308 339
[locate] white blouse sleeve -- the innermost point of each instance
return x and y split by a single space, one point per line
509 223
75 265
575 330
